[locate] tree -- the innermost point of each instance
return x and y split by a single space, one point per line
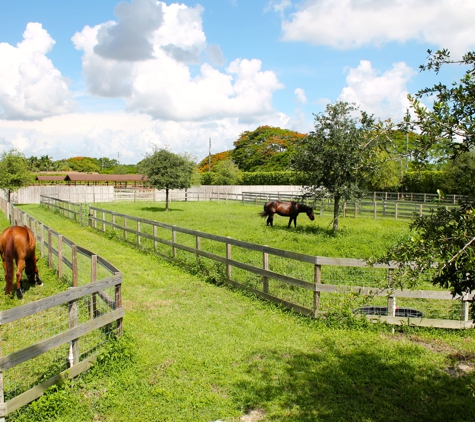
14 172
450 122
44 163
166 170
84 164
204 164
439 249
442 245
265 149
340 155
226 173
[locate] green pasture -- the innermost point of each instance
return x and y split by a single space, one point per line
357 238
196 351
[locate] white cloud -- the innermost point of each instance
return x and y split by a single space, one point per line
381 94
129 39
300 95
355 23
163 86
278 6
31 88
108 134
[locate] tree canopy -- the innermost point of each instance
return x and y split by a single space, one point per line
442 245
204 166
167 170
340 155
14 172
226 173
450 122
265 149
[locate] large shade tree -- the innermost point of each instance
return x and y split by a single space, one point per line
167 170
340 154
442 245
265 149
14 172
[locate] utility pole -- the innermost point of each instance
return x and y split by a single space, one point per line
209 156
407 139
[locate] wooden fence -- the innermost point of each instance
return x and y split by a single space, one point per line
375 205
58 337
376 209
370 197
310 285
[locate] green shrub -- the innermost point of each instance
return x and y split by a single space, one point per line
427 181
271 178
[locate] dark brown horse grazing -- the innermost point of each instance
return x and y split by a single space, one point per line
18 243
285 209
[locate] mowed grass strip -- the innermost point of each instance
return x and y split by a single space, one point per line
206 353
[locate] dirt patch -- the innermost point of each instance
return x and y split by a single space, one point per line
253 416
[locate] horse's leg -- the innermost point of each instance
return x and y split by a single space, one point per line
270 220
294 219
32 271
20 266
37 275
8 280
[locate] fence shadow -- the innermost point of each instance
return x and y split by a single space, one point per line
160 209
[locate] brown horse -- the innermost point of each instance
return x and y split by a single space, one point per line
285 209
18 243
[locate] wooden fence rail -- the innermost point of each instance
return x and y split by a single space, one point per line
79 322
136 230
381 208
373 205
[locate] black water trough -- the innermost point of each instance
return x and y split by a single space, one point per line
383 310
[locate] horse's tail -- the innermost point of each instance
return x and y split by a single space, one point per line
267 210
9 268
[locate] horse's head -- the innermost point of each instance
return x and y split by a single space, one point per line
310 214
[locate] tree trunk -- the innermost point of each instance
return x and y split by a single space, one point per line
166 199
336 211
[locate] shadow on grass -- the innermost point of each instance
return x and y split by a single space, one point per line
360 384
160 209
314 230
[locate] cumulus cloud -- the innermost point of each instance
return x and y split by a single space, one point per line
300 95
31 88
381 94
129 38
348 24
162 85
124 135
278 6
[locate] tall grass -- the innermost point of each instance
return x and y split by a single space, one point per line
194 351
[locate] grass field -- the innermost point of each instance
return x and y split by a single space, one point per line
194 351
357 238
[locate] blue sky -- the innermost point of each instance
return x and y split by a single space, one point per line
117 79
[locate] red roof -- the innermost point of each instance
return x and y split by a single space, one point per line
86 177
50 178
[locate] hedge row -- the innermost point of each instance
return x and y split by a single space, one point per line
260 178
423 181
428 182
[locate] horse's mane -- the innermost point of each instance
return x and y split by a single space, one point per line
304 207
